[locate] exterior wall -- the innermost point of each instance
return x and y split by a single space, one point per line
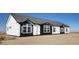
57 30
36 29
12 27
68 29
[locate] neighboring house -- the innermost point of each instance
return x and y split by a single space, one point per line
18 25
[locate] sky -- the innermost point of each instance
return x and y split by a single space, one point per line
71 19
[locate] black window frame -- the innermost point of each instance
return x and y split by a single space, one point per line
46 28
27 28
54 29
66 29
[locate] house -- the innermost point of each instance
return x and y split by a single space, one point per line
18 25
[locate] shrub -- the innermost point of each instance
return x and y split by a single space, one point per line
2 38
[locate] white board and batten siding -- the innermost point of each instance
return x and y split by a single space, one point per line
12 27
57 30
36 29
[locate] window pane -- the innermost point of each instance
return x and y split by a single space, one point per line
24 30
66 30
44 30
29 28
29 31
48 30
54 29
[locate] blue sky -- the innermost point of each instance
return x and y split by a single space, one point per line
72 19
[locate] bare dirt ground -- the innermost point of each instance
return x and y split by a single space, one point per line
62 39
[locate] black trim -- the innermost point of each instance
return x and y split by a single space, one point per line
29 34
63 30
41 29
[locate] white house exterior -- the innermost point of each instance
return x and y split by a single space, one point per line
57 30
12 27
18 25
36 29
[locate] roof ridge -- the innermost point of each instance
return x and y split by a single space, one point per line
35 17
22 18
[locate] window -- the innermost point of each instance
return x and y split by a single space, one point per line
27 28
54 29
8 27
46 28
61 29
66 30
24 29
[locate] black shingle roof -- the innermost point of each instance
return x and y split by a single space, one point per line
20 19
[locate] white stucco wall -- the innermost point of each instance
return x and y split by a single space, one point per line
36 29
12 27
57 30
67 29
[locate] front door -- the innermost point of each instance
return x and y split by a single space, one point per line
62 30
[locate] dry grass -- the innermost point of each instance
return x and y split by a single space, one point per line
2 33
72 38
4 37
